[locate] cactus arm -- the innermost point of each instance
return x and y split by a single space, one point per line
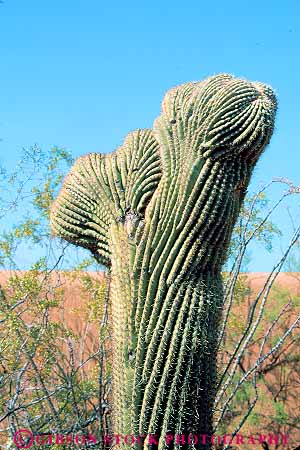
101 189
76 215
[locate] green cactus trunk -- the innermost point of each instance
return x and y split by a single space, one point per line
159 212
178 348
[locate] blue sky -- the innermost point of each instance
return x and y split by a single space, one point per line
82 74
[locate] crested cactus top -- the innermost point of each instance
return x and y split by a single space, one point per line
222 114
210 132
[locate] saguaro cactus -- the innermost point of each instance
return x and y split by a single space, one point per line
159 212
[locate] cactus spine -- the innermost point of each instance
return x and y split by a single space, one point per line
159 212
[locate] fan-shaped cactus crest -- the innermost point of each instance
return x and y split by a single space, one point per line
159 211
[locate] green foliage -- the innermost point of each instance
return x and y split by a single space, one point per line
26 196
245 393
47 348
254 419
49 377
281 416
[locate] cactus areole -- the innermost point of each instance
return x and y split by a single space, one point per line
159 212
